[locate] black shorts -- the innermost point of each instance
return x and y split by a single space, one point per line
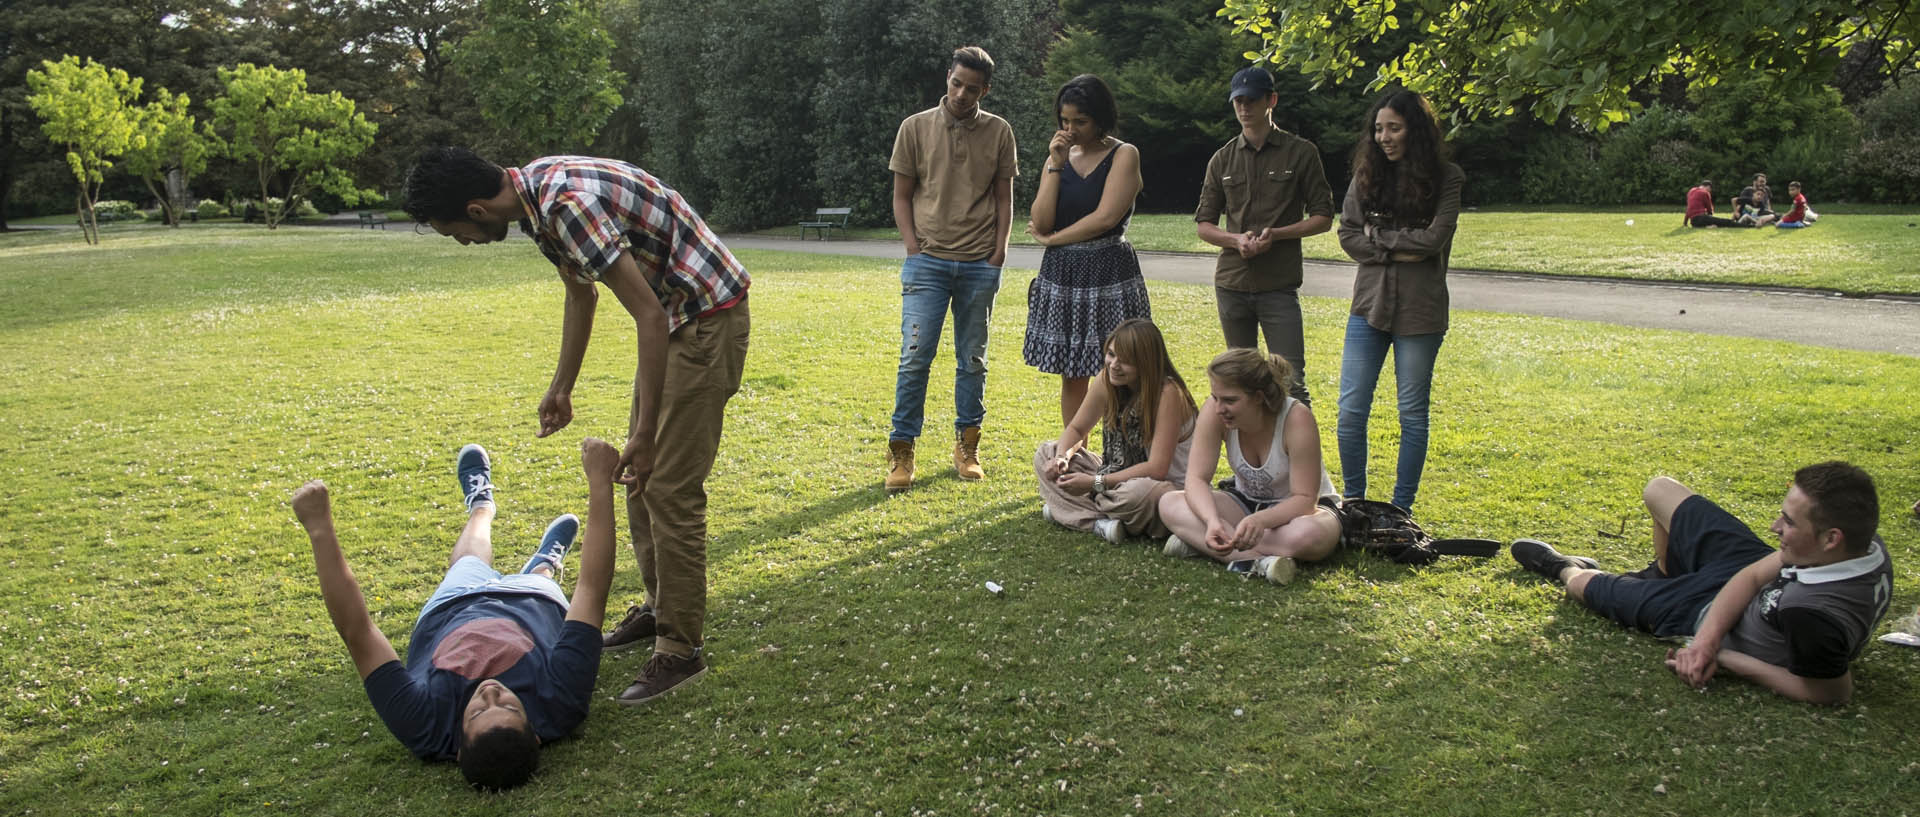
1706 546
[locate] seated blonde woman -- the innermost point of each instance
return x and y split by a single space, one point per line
1146 416
1271 518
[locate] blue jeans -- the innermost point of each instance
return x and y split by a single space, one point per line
1360 362
930 286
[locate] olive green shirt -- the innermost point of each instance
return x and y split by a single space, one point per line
1280 183
954 164
1403 297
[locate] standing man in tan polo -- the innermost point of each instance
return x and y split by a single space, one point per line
1269 185
953 169
606 222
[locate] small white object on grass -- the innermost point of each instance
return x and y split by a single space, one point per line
993 588
1629 222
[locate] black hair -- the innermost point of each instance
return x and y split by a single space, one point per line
500 758
1409 189
1092 97
974 57
1842 496
444 179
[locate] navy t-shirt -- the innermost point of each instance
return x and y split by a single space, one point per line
523 641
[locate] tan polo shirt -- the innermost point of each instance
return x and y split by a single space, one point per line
954 163
1280 183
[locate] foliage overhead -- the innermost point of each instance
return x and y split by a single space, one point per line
290 136
540 70
87 107
1582 59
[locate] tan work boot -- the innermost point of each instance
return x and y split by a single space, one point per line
899 465
966 454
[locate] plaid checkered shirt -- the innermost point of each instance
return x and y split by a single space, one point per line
584 212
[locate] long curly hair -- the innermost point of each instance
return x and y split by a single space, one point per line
1407 191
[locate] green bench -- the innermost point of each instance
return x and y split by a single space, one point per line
823 221
369 219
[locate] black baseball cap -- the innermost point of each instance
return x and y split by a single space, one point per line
1251 81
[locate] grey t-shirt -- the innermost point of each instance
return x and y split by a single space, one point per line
1815 620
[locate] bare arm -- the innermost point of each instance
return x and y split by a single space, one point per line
576 327
589 604
1002 219
345 603
903 188
1207 436
1047 195
1783 681
1116 199
1168 418
1696 662
634 287
1076 431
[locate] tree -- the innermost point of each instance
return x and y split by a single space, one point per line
540 70
268 118
88 109
172 143
1584 58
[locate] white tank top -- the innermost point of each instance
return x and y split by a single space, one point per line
1271 481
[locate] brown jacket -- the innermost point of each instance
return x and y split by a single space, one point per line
1403 297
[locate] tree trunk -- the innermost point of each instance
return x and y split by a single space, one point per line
166 207
83 208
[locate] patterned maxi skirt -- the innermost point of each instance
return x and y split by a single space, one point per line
1082 292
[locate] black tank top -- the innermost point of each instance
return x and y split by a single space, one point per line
1080 196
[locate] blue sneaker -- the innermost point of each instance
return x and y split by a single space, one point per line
475 474
554 545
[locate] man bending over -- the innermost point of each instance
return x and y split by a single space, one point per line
1791 620
497 664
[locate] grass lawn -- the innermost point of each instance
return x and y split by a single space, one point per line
167 651
1856 250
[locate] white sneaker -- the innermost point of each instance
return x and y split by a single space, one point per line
1177 548
1110 530
1046 512
1277 569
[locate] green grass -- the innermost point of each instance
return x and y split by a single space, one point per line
1858 249
167 652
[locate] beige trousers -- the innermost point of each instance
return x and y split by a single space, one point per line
668 520
1136 502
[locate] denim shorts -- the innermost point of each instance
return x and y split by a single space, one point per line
1706 546
470 576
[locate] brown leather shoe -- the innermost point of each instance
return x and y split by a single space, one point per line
663 673
635 627
899 465
966 454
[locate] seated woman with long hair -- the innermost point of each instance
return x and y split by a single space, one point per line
1146 416
1271 518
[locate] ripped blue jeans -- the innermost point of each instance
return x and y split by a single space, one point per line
929 287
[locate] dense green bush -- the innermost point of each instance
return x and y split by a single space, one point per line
211 209
117 210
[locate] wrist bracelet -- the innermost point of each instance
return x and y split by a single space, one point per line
1099 483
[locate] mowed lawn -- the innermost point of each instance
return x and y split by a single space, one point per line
1857 250
167 652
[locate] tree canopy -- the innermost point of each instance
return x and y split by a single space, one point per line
87 107
172 142
1583 58
541 71
269 119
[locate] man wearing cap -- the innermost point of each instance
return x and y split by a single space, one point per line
1269 185
953 167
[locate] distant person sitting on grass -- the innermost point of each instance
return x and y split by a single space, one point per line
1754 205
497 664
1800 215
1700 208
1791 620
1271 517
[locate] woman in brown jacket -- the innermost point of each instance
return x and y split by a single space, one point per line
1397 221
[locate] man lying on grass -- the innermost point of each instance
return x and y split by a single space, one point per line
1791 620
492 670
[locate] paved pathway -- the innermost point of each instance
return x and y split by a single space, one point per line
1869 324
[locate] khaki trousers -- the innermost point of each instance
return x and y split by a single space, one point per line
668 519
1135 502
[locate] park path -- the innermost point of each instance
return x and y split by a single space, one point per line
1813 318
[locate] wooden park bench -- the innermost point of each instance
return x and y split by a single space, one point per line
369 219
823 221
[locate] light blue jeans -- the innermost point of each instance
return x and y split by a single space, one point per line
1360 362
929 287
